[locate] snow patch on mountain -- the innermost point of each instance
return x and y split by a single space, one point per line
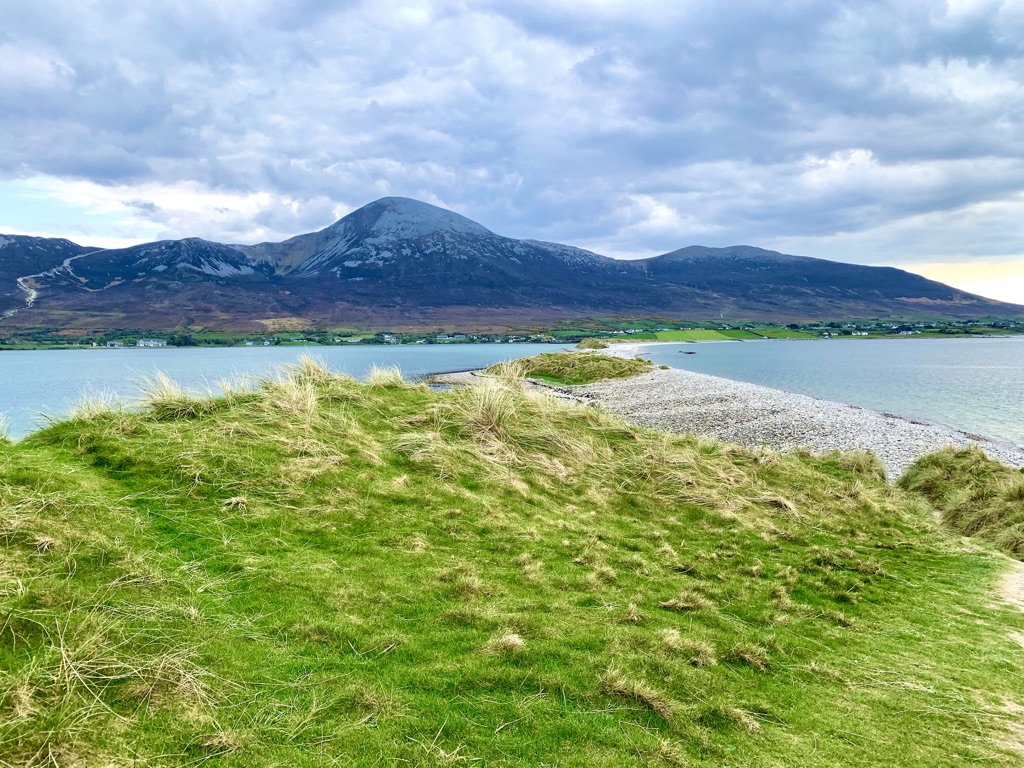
568 253
403 219
218 268
5 241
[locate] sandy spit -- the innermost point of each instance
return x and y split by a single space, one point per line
694 403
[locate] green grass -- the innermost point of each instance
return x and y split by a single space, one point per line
975 495
784 333
707 335
694 335
320 572
741 335
572 368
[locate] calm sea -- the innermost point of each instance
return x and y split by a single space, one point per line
970 384
975 385
34 382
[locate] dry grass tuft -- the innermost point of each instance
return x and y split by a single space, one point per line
533 569
387 377
865 463
311 370
44 543
490 408
95 404
751 654
505 644
166 400
698 653
225 742
634 615
733 716
616 683
509 374
671 755
778 502
687 600
236 503
464 582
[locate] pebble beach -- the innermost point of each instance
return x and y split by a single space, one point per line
685 402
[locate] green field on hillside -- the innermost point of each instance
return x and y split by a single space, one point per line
784 333
320 572
694 335
741 335
706 335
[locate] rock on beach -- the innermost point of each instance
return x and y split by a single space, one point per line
684 402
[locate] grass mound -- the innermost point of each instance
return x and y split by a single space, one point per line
572 367
975 495
592 344
318 572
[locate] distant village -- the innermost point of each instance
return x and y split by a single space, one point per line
633 330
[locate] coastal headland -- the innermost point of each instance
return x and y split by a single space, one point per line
308 569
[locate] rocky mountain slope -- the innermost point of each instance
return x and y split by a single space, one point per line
403 263
22 256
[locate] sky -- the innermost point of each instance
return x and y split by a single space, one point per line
872 132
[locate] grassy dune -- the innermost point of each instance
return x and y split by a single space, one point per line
580 368
321 572
975 495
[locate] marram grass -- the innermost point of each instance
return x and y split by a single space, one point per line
974 494
314 572
572 368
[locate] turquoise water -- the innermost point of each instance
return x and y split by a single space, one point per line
975 385
34 382
970 384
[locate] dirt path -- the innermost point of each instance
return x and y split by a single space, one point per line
1011 588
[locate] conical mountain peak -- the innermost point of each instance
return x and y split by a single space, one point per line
405 218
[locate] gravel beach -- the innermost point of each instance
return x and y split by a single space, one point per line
685 402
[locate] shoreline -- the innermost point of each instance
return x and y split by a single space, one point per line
682 401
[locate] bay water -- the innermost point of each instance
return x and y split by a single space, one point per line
974 385
39 383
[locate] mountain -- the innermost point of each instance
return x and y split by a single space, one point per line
401 263
755 276
427 255
22 256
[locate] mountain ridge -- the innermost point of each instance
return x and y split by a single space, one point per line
398 261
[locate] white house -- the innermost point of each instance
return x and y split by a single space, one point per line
151 343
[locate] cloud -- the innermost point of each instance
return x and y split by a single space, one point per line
1001 281
842 130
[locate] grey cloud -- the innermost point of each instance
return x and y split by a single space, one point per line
143 206
541 119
